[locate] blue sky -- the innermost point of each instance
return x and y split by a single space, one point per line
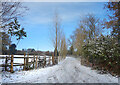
39 19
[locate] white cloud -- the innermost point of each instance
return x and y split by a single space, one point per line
40 20
43 13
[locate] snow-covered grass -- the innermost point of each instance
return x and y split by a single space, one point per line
19 60
67 71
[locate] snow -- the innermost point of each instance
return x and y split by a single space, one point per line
68 70
19 60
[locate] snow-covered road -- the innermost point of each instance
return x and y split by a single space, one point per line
67 71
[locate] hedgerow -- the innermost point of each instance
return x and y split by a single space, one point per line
104 53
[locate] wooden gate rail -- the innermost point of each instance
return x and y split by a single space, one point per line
36 60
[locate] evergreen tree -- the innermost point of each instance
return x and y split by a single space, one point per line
71 50
15 30
12 49
5 42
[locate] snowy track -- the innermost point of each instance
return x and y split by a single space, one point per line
68 71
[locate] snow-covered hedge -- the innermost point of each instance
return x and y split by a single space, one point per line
104 52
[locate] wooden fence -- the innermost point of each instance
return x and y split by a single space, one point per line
36 61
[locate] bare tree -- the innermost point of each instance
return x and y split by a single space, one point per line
93 26
58 37
80 36
71 44
113 21
88 28
10 11
63 49
56 33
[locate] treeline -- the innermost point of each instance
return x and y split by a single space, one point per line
100 50
21 52
89 28
41 53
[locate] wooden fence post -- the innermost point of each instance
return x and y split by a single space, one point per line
27 59
11 64
36 62
44 61
24 63
53 59
49 60
6 63
39 61
56 60
6 60
33 61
